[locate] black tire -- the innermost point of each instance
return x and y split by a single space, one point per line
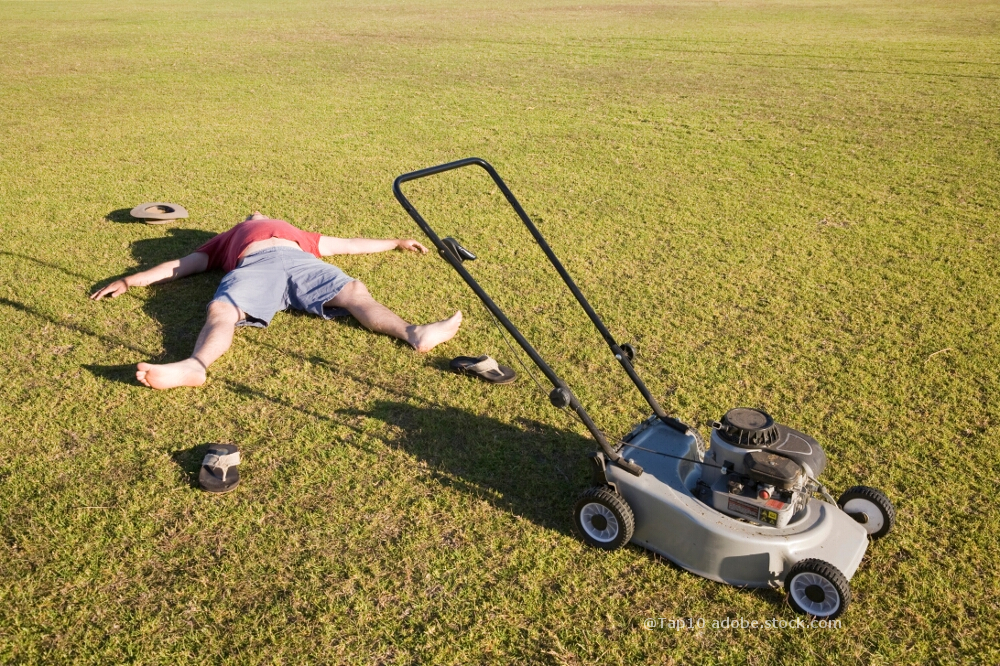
878 514
818 589
603 518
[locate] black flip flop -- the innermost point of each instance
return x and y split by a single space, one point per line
484 367
218 470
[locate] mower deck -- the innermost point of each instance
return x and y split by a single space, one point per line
672 522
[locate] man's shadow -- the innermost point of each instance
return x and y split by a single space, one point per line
534 471
178 307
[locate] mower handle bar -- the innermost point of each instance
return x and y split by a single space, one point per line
456 263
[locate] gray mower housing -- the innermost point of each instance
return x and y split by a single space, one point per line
672 522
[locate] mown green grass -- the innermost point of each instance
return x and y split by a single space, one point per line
784 204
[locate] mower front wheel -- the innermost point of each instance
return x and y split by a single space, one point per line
603 518
817 588
871 508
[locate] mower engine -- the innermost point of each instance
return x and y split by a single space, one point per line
758 470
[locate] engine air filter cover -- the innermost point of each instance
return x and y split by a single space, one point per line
748 428
778 471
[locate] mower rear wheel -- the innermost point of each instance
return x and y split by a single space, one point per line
817 588
603 518
871 508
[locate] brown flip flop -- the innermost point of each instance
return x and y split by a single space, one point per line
484 367
218 469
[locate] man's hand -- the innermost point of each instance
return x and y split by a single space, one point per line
411 245
114 290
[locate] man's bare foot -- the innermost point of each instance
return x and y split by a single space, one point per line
256 215
188 372
428 336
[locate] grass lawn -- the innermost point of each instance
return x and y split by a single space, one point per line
786 204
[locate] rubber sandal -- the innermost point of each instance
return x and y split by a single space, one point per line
484 367
218 470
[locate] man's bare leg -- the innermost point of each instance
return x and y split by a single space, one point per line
376 317
215 338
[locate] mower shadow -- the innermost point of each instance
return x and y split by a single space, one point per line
534 471
530 469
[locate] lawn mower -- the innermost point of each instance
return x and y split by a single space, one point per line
741 512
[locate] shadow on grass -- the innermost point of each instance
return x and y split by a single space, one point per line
45 264
178 307
106 339
124 374
249 392
529 469
440 363
532 470
189 462
176 244
123 215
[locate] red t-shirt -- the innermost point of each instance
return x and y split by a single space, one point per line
225 249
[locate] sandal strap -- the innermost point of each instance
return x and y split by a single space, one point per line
222 461
488 364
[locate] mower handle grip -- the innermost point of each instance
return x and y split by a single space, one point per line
441 168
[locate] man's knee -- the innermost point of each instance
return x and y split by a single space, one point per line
224 311
355 290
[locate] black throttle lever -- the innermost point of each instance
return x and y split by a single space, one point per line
457 250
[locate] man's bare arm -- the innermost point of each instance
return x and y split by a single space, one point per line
328 245
196 262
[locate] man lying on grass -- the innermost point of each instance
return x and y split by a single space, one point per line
271 265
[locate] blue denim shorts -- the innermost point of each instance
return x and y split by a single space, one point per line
276 278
